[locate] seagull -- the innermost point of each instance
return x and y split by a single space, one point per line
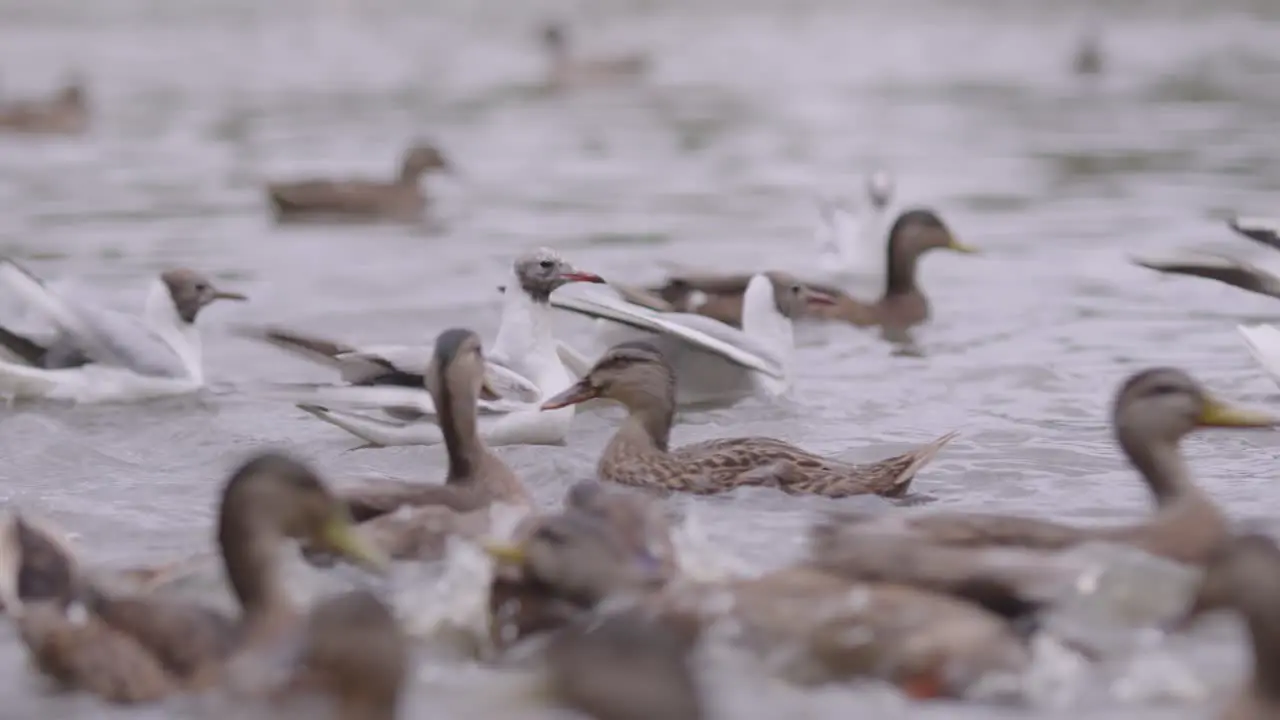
101 355
847 247
523 366
1225 268
714 363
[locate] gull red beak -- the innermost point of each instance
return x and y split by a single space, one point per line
579 276
579 392
819 299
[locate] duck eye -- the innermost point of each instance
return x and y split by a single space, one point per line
795 289
546 264
201 287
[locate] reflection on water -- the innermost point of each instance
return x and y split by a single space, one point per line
754 107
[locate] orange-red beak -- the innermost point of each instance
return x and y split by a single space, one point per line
818 298
579 276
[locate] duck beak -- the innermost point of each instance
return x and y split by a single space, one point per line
579 392
223 295
339 536
487 391
815 298
1217 413
957 246
504 552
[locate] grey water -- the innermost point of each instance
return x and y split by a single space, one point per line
753 106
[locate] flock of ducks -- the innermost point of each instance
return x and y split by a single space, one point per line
933 602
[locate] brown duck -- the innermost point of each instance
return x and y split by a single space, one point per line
636 375
414 519
1244 575
903 304
1153 410
399 200
65 113
930 645
564 71
355 654
626 522
129 649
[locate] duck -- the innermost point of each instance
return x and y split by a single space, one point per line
1088 58
929 645
38 564
715 364
902 306
134 649
564 71
101 355
1152 411
65 113
636 375
412 520
847 248
1243 575
524 365
627 521
355 654
1226 268
360 200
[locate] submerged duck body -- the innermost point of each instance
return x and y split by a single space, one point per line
65 113
356 200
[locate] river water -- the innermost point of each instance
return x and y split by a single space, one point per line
752 107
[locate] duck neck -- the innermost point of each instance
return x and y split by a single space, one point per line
649 425
900 273
458 426
524 332
249 548
1161 465
1264 631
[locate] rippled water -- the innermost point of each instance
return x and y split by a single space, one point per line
753 107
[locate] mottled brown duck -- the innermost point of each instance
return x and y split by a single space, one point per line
928 644
636 375
412 520
130 649
903 304
1243 575
565 71
65 113
1153 410
359 199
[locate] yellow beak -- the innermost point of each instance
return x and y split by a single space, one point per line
505 552
957 246
340 536
1217 413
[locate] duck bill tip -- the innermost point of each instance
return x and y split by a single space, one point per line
957 246
578 393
